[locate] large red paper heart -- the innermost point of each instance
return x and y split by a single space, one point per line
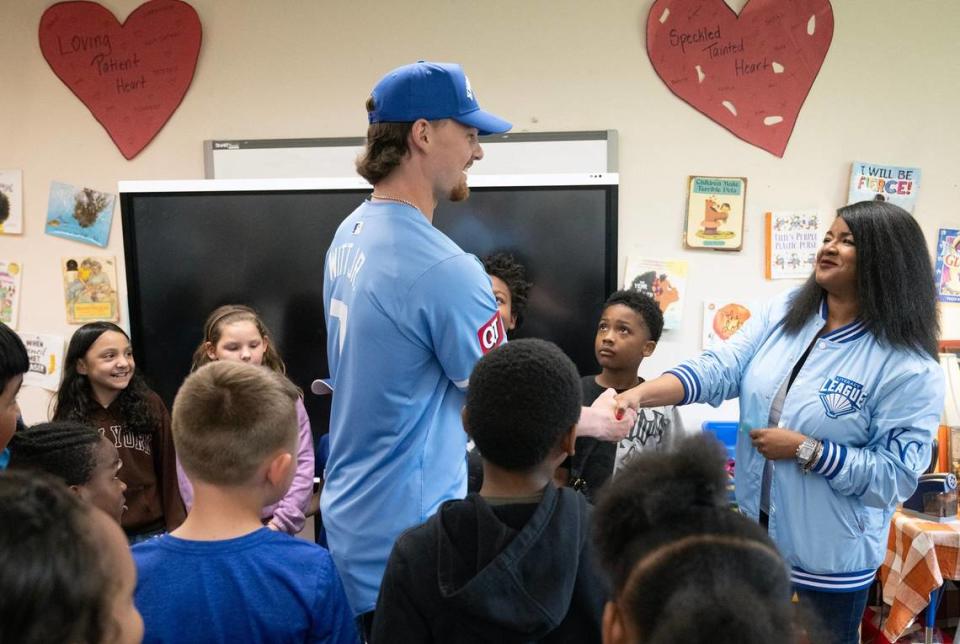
131 77
752 73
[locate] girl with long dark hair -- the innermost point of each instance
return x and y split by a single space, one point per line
101 387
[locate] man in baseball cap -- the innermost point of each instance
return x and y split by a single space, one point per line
408 314
431 91
424 123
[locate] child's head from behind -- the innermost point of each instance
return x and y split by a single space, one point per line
734 583
236 425
674 549
523 405
14 362
236 332
65 567
629 328
78 455
99 366
510 287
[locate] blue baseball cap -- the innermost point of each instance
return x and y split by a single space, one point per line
431 91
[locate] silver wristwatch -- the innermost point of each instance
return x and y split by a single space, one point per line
807 453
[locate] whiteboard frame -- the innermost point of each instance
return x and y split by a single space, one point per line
341 183
512 153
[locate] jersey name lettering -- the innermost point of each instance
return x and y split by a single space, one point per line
345 260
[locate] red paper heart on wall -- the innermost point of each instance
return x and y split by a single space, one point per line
752 73
131 76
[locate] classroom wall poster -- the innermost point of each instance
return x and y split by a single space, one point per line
947 272
10 274
715 208
132 75
90 292
896 184
663 280
747 68
80 214
792 239
46 360
11 202
722 319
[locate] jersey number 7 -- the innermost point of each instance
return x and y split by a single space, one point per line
340 312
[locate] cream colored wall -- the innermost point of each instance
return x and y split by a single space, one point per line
888 93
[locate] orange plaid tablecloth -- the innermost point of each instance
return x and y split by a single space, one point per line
920 555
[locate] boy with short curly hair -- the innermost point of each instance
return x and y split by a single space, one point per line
513 562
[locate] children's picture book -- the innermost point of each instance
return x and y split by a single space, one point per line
792 239
46 360
896 184
947 272
721 319
80 214
10 274
11 202
663 280
715 207
89 286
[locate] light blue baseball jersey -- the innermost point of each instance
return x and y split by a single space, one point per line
408 315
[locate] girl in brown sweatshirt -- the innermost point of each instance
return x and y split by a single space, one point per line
101 387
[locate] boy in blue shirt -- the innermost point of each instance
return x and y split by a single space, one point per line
222 576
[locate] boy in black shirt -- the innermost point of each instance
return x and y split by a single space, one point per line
512 563
629 328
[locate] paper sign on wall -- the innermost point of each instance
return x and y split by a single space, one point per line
11 202
896 184
80 214
10 274
89 285
750 73
715 209
792 239
663 280
131 76
46 360
723 319
948 265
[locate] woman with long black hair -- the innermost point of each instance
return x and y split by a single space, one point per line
840 395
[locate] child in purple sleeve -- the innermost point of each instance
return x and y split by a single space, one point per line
236 332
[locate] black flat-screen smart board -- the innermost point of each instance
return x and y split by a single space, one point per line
188 252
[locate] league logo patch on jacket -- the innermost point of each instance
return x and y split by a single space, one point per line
841 396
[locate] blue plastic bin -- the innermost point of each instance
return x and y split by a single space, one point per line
726 433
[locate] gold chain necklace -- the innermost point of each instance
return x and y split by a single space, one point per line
397 199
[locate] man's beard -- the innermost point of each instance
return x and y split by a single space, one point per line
460 191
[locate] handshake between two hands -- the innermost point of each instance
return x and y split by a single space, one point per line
607 420
774 443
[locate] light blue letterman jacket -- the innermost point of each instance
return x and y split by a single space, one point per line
876 409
